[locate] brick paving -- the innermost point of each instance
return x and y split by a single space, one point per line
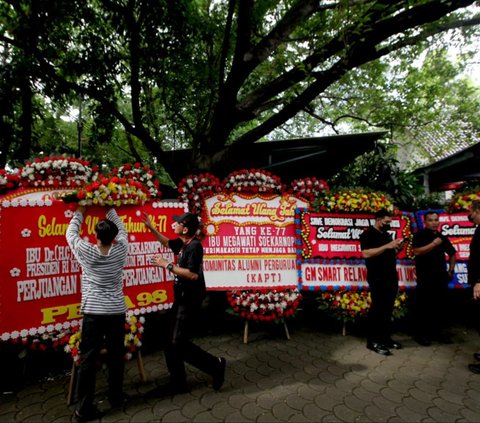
313 377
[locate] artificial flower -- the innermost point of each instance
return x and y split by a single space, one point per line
140 173
133 338
195 188
253 181
308 188
462 201
264 305
109 192
348 306
55 172
9 180
357 200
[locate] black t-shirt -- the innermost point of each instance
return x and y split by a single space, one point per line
190 256
432 265
474 259
383 266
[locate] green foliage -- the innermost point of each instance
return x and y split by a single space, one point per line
378 170
160 74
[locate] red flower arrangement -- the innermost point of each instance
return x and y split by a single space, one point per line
40 340
264 305
308 188
8 180
195 188
140 173
253 181
55 172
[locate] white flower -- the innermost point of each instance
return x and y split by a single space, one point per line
26 233
14 272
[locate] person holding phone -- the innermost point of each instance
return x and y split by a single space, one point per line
380 253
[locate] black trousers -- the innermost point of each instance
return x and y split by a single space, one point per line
383 293
430 307
180 349
99 331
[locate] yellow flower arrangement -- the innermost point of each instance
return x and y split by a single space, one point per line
133 338
348 306
353 201
462 201
109 192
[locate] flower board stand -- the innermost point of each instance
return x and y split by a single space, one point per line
245 331
73 376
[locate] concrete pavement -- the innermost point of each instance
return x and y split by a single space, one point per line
313 377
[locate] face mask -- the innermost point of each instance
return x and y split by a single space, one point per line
386 227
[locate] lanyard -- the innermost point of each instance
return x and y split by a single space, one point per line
185 245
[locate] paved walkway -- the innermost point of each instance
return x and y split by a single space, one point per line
313 377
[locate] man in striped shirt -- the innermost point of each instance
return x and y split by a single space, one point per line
103 307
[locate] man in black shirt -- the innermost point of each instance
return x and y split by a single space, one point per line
431 293
474 267
189 292
380 254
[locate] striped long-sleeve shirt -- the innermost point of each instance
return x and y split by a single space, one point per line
102 283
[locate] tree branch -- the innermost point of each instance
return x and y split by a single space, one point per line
361 50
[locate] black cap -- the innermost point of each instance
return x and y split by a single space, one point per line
189 220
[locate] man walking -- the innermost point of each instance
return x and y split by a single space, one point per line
379 252
431 293
189 292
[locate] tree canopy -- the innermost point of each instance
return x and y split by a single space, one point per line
154 75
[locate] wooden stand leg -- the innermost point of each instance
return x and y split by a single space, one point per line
245 333
344 328
286 330
141 369
71 385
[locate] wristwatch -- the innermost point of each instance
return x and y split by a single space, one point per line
169 267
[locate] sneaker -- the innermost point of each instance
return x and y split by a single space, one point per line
474 368
393 344
378 348
219 375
